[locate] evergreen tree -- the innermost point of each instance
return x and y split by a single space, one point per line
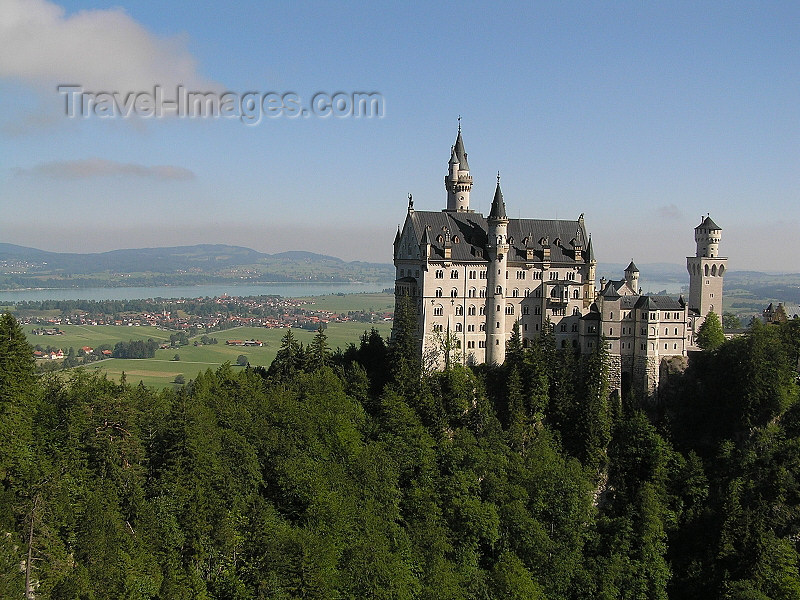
710 335
404 359
319 353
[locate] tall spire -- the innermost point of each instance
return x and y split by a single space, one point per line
458 181
498 210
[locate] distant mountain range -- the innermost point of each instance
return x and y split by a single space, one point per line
204 263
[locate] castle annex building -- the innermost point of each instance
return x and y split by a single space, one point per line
472 277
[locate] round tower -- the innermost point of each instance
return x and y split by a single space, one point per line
632 277
497 247
706 270
458 181
707 235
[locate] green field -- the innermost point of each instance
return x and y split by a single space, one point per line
161 370
356 302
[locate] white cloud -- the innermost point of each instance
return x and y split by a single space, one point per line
101 50
98 167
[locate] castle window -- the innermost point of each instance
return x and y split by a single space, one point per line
611 316
674 346
644 330
453 293
470 328
471 310
537 310
576 311
483 274
459 327
472 274
471 292
455 238
438 292
459 311
438 311
563 327
527 292
439 274
470 344
481 344
676 331
454 274
642 347
539 292
498 308
525 310
482 327
497 342
510 309
515 293
520 274
705 270
482 311
437 327
574 327
666 331
482 293
553 274
665 346
576 294
499 290
537 274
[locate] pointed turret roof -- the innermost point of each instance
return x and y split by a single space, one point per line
426 238
631 268
590 249
458 150
498 210
707 223
397 236
453 157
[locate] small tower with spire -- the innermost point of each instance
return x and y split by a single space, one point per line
632 277
497 247
458 181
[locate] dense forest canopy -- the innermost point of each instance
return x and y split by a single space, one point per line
354 474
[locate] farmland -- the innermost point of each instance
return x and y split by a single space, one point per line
161 370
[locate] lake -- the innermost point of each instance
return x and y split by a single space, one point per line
287 290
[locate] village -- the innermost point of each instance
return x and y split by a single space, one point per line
187 317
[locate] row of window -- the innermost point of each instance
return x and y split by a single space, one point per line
439 274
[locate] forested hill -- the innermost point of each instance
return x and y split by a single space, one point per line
28 267
361 474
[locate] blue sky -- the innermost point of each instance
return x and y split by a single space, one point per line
642 116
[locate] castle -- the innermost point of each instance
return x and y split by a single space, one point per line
473 277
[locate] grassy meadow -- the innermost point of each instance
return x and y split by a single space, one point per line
161 370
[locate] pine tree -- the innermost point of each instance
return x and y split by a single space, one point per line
710 335
319 354
404 357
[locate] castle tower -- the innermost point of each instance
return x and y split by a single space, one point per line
632 277
706 270
458 181
589 291
497 247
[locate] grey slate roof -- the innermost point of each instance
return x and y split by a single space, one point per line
631 268
658 303
460 154
708 224
471 228
498 210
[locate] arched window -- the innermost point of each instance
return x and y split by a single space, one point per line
459 311
438 311
438 292
482 293
454 274
576 293
482 310
525 310
471 292
705 270
499 290
439 274
510 309
713 270
515 293
459 328
453 293
471 310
